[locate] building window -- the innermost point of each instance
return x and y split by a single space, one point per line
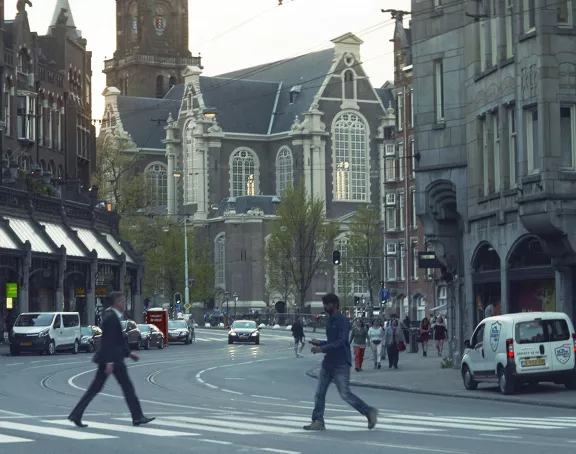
220 261
391 261
350 157
494 32
400 110
564 12
482 44
402 260
390 218
512 150
192 169
529 15
415 261
567 130
496 152
26 117
343 277
8 110
509 13
413 157
414 217
439 90
401 161
531 118
284 170
159 86
59 128
157 177
485 156
437 3
390 164
411 106
401 210
244 178
348 85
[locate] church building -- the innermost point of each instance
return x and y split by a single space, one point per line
222 149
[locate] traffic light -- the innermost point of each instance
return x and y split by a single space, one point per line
356 300
336 257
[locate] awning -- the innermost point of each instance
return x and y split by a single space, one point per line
437 308
243 304
314 304
25 230
5 241
61 237
118 247
92 242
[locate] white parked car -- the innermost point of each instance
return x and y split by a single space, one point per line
514 349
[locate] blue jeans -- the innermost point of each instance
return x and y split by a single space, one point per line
340 375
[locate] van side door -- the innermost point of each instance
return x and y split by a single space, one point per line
71 326
476 352
58 332
561 342
495 342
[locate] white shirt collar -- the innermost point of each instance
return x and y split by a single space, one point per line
118 313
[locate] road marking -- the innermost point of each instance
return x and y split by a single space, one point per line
10 439
210 386
72 434
266 397
128 429
438 422
281 451
173 423
12 413
232 392
218 442
500 436
13 364
224 425
232 378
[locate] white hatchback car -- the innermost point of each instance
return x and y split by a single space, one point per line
514 349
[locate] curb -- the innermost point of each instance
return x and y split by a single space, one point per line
312 373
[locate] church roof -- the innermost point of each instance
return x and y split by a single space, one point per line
308 71
140 118
386 96
62 4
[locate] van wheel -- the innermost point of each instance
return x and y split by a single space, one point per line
76 348
505 383
51 348
469 383
161 344
14 352
571 384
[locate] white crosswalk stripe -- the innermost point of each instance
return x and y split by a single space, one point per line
259 423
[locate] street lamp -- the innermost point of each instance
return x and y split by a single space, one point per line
227 298
235 296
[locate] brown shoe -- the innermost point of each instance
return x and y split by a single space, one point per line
316 425
372 418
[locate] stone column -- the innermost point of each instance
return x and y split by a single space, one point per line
91 292
24 294
211 142
171 142
504 293
137 304
564 277
60 280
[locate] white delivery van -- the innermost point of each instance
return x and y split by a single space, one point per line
46 332
514 349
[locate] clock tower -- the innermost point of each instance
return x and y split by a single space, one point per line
151 47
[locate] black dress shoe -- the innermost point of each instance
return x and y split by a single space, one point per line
142 420
77 421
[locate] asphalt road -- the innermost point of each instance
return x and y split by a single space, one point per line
211 397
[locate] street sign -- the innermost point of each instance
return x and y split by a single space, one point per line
178 308
187 306
428 260
384 294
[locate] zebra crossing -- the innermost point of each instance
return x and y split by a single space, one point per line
13 431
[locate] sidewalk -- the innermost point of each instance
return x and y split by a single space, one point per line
423 375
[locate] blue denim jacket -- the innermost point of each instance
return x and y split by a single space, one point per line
337 345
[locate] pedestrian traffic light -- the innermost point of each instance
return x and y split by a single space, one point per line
356 300
336 257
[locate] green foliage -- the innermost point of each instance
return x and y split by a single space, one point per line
279 280
365 248
202 270
301 237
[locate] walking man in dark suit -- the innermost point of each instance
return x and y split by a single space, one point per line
110 360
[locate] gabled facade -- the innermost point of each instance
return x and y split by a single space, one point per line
240 138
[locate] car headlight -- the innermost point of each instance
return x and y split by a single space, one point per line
255 333
232 333
84 340
44 332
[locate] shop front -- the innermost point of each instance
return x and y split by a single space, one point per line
43 284
486 281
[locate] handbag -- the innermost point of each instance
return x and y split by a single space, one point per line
401 346
376 342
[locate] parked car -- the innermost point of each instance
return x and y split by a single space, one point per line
45 332
132 334
91 338
179 331
151 336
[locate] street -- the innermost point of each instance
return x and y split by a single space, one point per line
211 397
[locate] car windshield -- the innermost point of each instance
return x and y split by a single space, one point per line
177 324
34 320
144 328
123 324
244 325
86 331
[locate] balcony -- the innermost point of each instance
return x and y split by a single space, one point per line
152 60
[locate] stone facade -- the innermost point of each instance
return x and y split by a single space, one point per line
236 141
495 130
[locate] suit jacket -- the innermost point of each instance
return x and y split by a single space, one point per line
113 347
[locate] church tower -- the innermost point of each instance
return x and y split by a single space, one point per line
151 47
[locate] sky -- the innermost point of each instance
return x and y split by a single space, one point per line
233 34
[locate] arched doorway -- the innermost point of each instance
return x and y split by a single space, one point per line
531 276
486 281
417 308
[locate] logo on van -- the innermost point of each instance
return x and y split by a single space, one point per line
563 353
495 330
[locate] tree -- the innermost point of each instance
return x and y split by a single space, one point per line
114 175
302 236
278 276
202 274
364 254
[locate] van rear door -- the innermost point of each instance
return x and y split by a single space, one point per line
560 331
532 349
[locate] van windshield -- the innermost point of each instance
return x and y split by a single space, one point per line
538 331
34 320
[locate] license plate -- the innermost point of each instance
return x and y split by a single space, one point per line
26 344
533 362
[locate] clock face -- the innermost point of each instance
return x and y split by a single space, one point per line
160 22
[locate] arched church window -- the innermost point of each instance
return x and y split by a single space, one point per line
157 177
134 22
172 81
159 86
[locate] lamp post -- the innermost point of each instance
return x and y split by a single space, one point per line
227 298
235 302
187 288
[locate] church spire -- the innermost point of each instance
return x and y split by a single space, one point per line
57 18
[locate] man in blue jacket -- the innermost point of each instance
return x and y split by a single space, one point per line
336 366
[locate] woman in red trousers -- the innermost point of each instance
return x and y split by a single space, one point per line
358 338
